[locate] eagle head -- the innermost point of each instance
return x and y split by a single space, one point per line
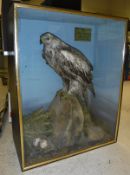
46 38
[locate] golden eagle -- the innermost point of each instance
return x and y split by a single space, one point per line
70 63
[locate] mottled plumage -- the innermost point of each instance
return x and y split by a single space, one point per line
72 65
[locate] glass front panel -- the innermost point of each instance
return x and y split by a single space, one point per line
70 71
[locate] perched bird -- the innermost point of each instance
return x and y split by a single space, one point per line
70 63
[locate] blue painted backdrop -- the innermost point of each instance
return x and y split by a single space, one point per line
39 83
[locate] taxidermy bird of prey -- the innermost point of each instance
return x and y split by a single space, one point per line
72 65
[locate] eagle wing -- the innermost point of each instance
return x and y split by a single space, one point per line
78 64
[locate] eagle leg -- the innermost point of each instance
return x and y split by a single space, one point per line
74 87
66 83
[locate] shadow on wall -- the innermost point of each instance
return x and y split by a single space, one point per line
71 4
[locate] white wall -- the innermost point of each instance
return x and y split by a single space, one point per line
121 7
109 7
95 5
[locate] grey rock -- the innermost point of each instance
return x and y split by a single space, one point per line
66 125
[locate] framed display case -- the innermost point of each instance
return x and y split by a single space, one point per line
65 82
